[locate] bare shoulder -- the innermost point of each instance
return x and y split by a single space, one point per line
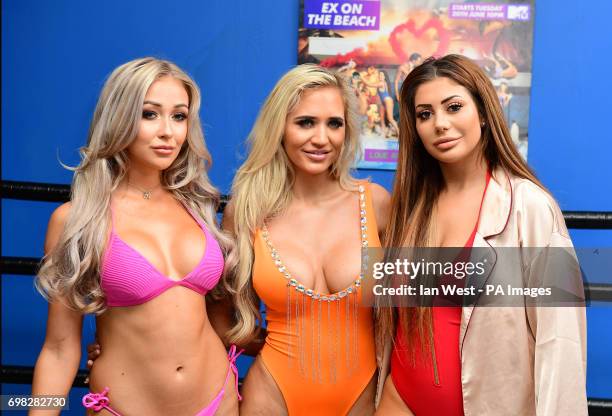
381 200
56 225
227 223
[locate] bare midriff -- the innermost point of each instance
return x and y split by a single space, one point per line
161 357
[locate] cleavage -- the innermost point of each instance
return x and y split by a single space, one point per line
327 262
175 256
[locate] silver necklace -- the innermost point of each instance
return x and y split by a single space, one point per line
146 193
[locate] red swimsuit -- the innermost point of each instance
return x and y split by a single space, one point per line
427 390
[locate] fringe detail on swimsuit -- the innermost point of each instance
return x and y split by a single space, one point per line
306 319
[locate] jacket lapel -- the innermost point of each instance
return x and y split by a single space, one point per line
494 217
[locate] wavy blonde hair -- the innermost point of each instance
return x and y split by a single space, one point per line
70 273
263 185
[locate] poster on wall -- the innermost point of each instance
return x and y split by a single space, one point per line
376 43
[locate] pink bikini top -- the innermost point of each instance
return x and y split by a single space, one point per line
127 278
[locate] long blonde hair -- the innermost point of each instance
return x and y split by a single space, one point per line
419 181
70 273
262 186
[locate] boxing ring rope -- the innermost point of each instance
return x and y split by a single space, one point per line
47 192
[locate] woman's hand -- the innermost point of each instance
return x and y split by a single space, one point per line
93 352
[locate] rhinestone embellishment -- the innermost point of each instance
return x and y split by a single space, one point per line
353 288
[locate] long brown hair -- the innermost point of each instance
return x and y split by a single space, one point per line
418 179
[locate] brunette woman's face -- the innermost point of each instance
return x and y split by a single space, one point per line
163 125
447 120
315 130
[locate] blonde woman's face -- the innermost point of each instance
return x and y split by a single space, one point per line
315 131
447 120
163 125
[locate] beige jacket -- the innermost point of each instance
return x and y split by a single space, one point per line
519 360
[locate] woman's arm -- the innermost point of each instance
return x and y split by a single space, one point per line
59 357
509 71
560 338
559 330
377 84
221 316
381 199
396 83
58 361
221 311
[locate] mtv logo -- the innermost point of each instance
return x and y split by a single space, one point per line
518 12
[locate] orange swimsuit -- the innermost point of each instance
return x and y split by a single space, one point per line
320 347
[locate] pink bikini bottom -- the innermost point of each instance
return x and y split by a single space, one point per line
99 401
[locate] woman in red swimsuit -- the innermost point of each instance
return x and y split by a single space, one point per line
460 182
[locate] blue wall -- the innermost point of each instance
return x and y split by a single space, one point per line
56 55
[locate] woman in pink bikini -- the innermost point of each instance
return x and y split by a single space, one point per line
138 246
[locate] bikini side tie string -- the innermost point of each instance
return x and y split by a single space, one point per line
232 356
98 401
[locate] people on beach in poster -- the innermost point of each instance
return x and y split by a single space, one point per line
371 79
375 97
384 91
404 69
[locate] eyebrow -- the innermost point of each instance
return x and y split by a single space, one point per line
159 105
441 102
316 118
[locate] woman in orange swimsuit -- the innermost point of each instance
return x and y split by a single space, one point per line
301 222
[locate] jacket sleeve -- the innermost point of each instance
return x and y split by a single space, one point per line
558 324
